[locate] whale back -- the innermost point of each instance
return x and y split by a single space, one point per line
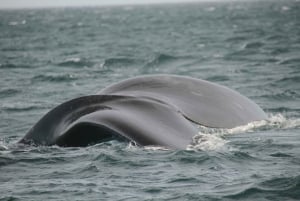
201 101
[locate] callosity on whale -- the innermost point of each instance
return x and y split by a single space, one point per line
149 110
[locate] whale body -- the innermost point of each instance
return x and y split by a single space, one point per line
148 110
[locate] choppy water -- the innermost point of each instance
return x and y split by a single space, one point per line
52 55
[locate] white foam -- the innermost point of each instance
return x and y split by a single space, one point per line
210 9
285 8
131 145
213 138
156 148
15 23
73 59
17 105
206 142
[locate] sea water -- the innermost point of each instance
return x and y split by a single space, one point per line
48 56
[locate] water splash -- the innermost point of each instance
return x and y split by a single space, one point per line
207 142
214 138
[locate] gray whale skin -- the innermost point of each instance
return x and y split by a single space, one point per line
148 110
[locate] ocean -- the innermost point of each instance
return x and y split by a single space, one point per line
49 56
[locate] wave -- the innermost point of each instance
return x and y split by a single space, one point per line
16 23
11 65
253 45
295 61
75 62
218 78
119 62
54 78
20 106
3 146
284 110
289 80
236 39
161 58
8 92
273 189
282 95
289 83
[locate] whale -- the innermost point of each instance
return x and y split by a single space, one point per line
151 110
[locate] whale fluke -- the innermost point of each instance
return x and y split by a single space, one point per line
149 110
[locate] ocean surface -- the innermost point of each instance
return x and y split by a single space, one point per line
48 56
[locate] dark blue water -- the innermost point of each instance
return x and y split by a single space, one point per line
49 56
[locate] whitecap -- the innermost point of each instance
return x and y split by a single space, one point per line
73 59
13 23
19 106
210 9
156 148
285 8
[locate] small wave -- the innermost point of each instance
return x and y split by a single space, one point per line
282 188
253 45
156 148
285 8
54 78
20 106
118 62
88 168
290 61
236 39
8 92
290 79
210 9
75 62
11 65
16 23
280 155
292 82
4 160
282 95
218 78
161 59
3 145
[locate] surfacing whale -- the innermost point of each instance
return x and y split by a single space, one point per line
148 110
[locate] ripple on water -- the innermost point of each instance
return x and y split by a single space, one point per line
76 62
4 93
54 78
272 189
119 62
